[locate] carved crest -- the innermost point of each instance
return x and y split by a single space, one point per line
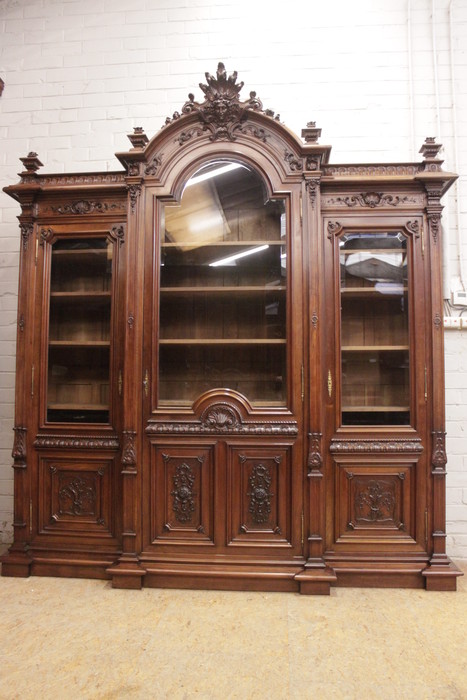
222 112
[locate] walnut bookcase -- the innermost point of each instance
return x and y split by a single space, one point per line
230 362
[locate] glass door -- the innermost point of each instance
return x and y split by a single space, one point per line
223 284
80 313
374 328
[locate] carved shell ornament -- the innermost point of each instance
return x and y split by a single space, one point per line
222 112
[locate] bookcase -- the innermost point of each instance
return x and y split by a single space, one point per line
230 362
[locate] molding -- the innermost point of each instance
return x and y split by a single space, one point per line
372 170
77 442
356 445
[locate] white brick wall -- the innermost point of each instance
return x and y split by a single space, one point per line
80 74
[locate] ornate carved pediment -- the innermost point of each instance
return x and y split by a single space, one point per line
222 112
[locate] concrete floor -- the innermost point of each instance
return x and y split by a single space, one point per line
80 639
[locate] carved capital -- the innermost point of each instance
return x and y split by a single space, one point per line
134 192
434 222
26 232
438 456
129 450
313 187
19 448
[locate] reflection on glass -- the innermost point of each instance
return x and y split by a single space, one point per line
79 331
374 329
223 288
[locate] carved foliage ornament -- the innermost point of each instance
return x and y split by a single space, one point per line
183 494
438 457
222 112
26 231
77 495
372 200
75 442
19 448
375 501
260 493
85 206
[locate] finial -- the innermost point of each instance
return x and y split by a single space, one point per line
138 138
31 163
311 134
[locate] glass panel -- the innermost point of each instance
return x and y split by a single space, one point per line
374 329
79 331
223 289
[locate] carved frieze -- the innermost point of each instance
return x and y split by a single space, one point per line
372 170
91 179
87 206
373 200
183 494
370 445
82 442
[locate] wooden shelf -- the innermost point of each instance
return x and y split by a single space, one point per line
371 409
222 341
383 292
81 296
79 343
77 407
373 251
189 245
221 290
374 348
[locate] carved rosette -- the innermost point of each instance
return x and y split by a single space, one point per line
222 113
438 457
19 448
183 494
260 494
129 450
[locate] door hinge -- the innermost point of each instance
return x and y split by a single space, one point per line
301 209
422 236
146 383
30 516
303 530
32 380
303 383
426 384
329 384
120 382
37 250
426 527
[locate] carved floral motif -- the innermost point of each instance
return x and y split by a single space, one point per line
134 192
295 164
77 495
19 448
118 233
313 189
26 232
260 493
129 449
183 494
434 221
315 458
375 501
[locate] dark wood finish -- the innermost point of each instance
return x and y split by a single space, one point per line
271 422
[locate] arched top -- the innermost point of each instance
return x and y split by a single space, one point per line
222 122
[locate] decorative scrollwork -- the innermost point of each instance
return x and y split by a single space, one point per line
260 493
183 494
413 227
334 227
372 200
189 134
118 233
154 165
295 164
313 189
